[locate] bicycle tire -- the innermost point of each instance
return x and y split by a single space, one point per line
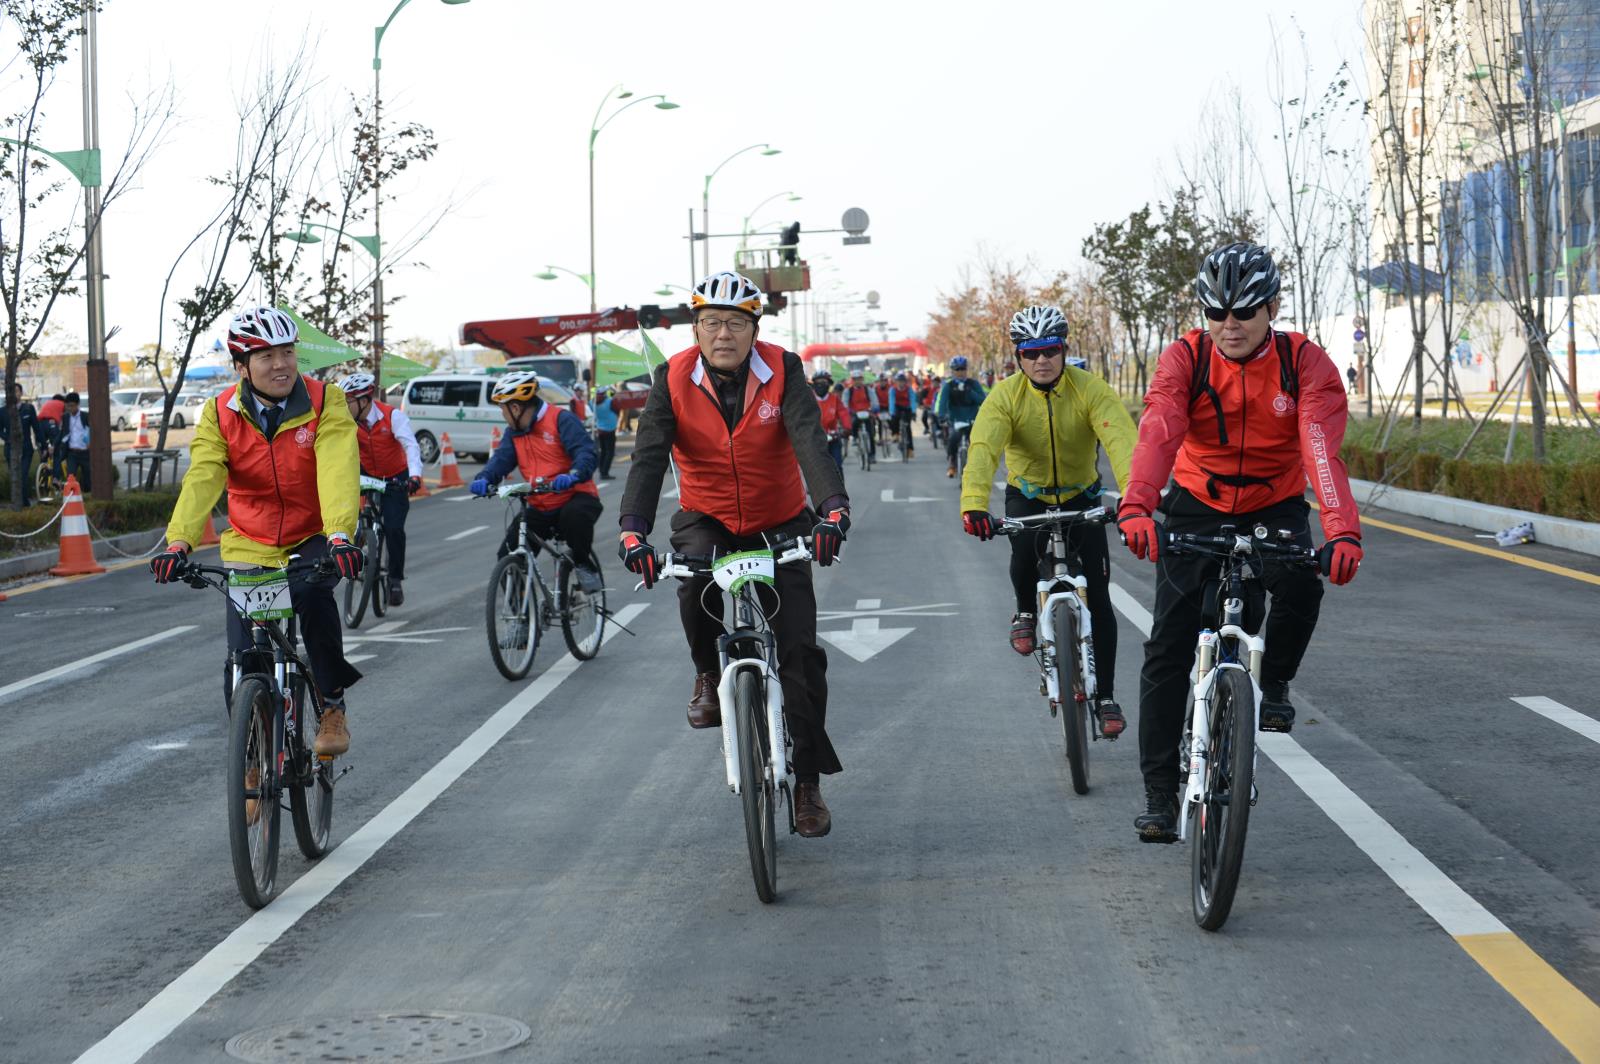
864 451
44 484
380 576
583 636
756 790
1217 828
358 593
252 741
1074 715
512 595
311 797
905 443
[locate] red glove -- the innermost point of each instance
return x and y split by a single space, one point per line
828 536
346 558
1340 558
639 558
169 566
978 523
1140 534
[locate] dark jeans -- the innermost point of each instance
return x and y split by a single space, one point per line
836 451
862 432
573 523
394 508
802 664
78 466
320 632
608 450
1180 586
901 421
953 444
1031 561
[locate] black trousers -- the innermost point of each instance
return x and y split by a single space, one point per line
395 506
1030 561
608 450
320 631
78 466
802 664
953 444
573 522
1177 619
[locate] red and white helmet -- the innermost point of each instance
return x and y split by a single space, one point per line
357 384
260 327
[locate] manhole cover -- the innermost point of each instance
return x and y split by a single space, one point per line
396 1036
66 611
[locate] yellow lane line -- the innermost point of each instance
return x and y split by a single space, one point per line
1531 563
62 581
1559 1006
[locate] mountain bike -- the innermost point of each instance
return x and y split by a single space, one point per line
374 586
755 739
903 437
46 484
272 715
963 429
1064 637
522 605
861 430
939 432
1217 759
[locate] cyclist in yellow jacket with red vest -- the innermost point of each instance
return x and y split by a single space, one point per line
738 419
283 446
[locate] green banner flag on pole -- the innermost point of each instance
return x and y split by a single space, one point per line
316 349
399 368
651 351
838 369
614 363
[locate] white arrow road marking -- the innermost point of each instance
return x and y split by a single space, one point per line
932 609
466 533
865 639
1565 716
887 495
389 632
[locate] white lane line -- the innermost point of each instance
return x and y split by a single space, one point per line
1456 911
464 534
356 658
460 498
93 659
1549 708
671 493
186 994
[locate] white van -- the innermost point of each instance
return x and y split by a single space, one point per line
458 403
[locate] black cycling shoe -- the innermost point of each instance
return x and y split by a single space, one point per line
1112 722
1160 820
1277 715
397 594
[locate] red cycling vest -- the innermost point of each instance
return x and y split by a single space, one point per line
381 454
748 479
835 418
860 398
272 487
540 453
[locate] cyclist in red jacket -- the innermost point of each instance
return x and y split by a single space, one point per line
1241 417
835 414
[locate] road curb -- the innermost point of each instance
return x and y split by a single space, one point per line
129 542
1580 536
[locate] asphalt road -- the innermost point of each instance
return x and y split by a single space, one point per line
1421 881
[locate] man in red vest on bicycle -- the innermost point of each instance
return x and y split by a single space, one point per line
550 444
284 447
863 404
738 419
389 452
1241 417
835 414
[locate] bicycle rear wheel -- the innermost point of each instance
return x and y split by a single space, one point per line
583 622
380 575
756 788
864 451
311 797
44 484
1074 713
1219 822
357 593
252 793
511 615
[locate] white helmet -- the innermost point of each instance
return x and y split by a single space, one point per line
856 375
728 289
1038 323
521 386
260 327
357 384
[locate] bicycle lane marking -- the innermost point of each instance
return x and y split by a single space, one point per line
185 995
1565 716
1490 552
1561 1008
467 532
92 659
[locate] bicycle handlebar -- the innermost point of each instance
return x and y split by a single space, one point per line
1240 543
1012 526
688 566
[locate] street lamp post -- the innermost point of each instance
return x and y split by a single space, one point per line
377 192
550 274
300 236
99 373
705 199
745 228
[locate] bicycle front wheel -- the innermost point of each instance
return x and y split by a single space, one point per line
863 449
44 484
583 621
380 575
1074 707
755 785
252 790
511 613
311 796
1219 822
357 593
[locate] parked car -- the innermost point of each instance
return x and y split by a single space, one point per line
185 411
458 403
125 404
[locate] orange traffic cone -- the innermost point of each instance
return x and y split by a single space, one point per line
209 536
422 491
77 550
494 441
143 439
449 473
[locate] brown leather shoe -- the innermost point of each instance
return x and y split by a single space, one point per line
705 711
333 738
811 816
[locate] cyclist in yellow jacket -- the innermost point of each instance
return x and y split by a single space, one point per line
1046 421
284 448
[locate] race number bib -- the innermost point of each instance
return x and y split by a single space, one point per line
733 571
373 483
261 596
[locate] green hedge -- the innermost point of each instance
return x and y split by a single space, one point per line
133 511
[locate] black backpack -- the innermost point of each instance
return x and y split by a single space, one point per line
1200 378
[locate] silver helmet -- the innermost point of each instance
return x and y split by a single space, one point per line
1239 275
1037 323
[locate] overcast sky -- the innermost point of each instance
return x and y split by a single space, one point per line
1013 127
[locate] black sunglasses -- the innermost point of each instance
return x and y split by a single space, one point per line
1239 313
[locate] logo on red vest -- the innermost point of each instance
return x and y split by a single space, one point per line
305 435
1282 405
767 412
549 437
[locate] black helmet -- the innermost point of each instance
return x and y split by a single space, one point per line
1239 275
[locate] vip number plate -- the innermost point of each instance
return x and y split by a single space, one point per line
261 596
733 571
373 483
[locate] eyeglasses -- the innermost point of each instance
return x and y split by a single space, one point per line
1044 350
1239 313
735 326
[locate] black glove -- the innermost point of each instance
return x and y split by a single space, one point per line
170 565
639 558
413 485
978 523
828 536
346 558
